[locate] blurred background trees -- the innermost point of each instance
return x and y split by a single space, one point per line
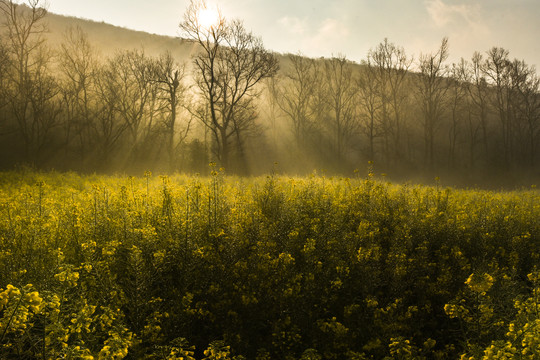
68 102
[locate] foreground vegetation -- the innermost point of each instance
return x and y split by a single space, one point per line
219 267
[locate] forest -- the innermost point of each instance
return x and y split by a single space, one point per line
66 104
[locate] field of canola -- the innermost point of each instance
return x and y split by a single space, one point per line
221 267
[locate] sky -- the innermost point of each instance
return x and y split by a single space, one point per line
327 28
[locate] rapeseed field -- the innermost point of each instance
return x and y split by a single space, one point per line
276 267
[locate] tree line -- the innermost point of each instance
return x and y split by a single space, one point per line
67 105
425 114
244 107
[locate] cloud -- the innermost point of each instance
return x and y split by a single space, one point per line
294 24
332 28
312 37
329 37
445 15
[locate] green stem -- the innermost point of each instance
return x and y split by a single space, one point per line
11 318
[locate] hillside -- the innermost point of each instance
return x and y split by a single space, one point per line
109 38
410 120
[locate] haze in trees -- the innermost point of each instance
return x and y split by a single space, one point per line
69 102
230 64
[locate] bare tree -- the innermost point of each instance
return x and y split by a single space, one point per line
392 64
473 75
229 65
432 86
341 94
525 111
78 66
138 104
295 96
497 70
272 107
370 101
458 106
45 105
108 127
4 68
530 94
170 77
30 89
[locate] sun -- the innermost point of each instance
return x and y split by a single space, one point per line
208 17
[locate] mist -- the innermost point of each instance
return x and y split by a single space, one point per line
101 99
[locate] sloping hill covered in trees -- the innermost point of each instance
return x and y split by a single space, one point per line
99 98
109 39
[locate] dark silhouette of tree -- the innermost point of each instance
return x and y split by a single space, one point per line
295 96
78 65
477 89
31 89
272 108
432 86
458 104
341 96
529 112
497 71
137 94
370 101
392 64
170 78
108 127
4 83
229 64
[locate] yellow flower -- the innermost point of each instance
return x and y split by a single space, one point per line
480 283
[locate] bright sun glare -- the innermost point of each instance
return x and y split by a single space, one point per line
208 17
